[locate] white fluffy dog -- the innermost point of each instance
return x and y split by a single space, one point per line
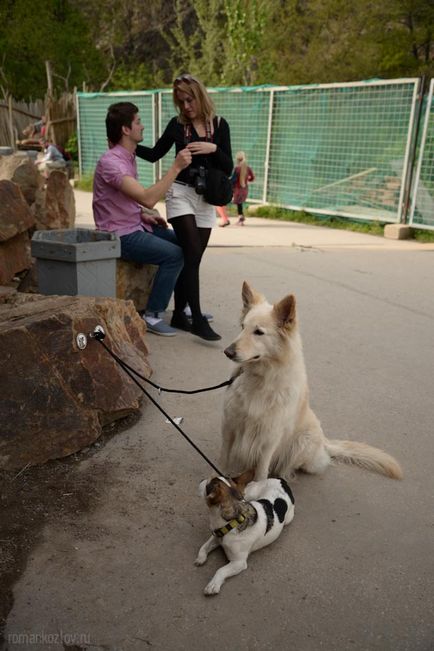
267 422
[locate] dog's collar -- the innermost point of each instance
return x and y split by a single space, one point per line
232 524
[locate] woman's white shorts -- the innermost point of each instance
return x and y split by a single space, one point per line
183 200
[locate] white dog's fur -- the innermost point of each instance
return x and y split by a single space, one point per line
267 507
267 421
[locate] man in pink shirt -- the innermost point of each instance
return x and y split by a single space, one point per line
118 198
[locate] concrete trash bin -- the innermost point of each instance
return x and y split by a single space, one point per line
76 261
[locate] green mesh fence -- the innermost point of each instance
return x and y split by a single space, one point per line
341 149
422 210
92 109
333 149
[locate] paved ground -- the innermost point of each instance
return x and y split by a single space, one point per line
355 569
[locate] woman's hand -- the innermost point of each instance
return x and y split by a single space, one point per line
202 147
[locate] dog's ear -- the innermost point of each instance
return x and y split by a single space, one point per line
250 296
213 491
245 478
284 311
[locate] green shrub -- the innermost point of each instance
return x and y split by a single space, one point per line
85 183
272 212
71 146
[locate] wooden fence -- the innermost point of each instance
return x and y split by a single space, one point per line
60 116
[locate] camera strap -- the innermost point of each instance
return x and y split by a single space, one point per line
188 132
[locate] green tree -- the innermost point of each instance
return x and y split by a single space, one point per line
317 41
196 39
246 23
129 37
56 32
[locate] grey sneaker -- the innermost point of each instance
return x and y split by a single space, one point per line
208 317
155 324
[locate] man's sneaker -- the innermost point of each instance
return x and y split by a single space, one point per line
208 317
156 325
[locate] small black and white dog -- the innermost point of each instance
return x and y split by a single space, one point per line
242 524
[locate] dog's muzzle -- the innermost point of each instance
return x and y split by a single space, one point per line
230 351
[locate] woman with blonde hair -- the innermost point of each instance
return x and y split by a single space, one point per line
208 138
242 176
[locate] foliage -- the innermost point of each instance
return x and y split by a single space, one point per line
272 212
71 146
108 45
85 183
246 21
30 35
340 41
371 228
196 39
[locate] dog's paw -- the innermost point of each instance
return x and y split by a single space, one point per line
213 587
201 559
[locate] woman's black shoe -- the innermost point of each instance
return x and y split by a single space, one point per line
180 321
202 329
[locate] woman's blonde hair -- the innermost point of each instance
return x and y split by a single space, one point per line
242 164
186 83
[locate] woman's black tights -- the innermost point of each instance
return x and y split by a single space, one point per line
193 241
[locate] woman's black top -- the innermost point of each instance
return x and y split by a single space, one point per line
174 133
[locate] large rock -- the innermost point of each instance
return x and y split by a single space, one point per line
22 171
134 282
55 398
15 214
54 206
14 257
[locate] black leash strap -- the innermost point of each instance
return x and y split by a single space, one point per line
156 386
99 336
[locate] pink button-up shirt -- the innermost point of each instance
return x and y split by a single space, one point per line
113 210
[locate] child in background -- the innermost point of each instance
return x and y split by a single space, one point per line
241 177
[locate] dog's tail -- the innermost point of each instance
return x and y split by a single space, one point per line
365 456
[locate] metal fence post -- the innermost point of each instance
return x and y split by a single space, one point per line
421 158
413 129
268 147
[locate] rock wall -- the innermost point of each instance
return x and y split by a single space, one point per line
29 202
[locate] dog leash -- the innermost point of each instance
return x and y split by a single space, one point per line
98 334
156 386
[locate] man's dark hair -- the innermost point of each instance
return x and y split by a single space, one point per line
119 115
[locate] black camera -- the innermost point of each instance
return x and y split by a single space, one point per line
199 178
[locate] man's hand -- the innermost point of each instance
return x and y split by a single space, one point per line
202 147
183 159
153 217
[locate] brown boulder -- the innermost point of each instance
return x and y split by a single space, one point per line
134 282
14 256
55 397
15 214
22 171
54 207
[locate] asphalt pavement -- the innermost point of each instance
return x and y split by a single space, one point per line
355 569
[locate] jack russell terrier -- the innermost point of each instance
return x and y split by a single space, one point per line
243 524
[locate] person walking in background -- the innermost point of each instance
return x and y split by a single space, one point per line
207 137
118 198
242 176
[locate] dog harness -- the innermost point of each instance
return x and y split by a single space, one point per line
232 524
